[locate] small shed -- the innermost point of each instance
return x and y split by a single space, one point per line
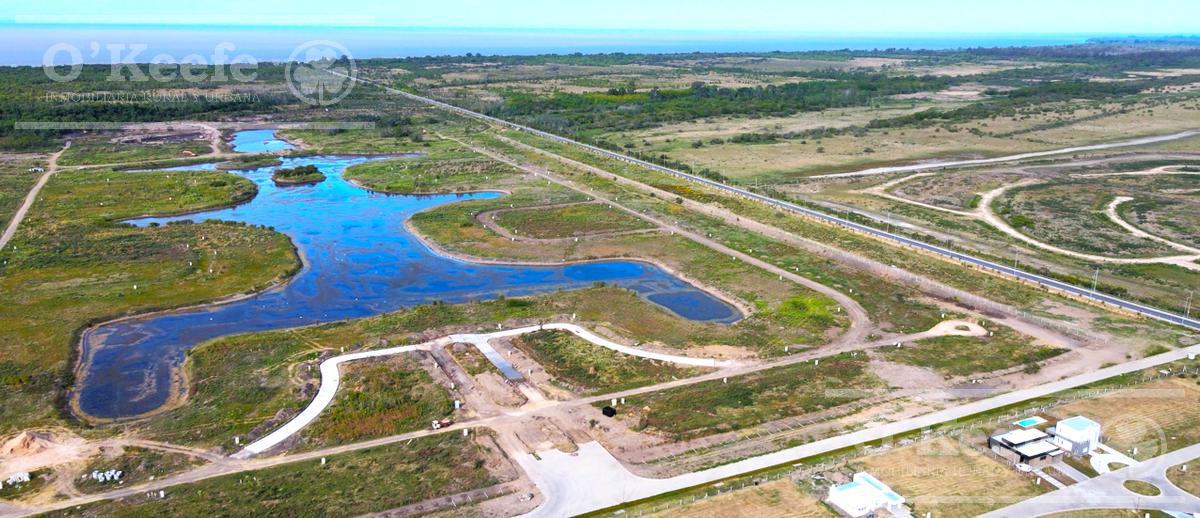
609 411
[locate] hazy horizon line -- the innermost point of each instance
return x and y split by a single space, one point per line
766 32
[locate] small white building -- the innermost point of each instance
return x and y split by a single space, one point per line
866 496
1078 435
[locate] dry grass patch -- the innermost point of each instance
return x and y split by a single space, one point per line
947 478
778 499
1109 513
1188 480
1155 418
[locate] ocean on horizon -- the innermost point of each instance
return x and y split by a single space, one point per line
26 44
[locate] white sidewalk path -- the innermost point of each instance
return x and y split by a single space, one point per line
331 375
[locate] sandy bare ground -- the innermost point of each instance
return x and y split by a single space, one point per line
66 455
51 168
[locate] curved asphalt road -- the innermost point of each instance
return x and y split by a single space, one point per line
1071 289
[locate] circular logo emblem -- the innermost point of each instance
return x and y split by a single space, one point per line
319 72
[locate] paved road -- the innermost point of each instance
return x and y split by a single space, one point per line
1071 289
51 168
621 486
1108 492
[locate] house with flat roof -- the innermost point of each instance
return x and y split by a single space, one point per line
865 495
1028 446
1077 435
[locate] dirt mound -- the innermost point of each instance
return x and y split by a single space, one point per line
26 443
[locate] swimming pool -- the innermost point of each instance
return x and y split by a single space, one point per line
1030 422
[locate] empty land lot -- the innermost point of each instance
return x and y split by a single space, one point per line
948 478
1155 418
778 499
585 368
363 481
717 406
965 355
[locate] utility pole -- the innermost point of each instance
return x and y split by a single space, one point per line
1187 311
1095 278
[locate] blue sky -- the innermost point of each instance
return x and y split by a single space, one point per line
778 16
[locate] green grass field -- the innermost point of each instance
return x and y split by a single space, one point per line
361 141
15 181
349 484
102 152
965 355
886 301
445 167
72 263
380 398
573 220
586 368
745 401
240 384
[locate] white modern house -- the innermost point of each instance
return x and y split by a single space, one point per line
866 496
1077 435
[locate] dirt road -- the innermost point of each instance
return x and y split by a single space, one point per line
51 168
